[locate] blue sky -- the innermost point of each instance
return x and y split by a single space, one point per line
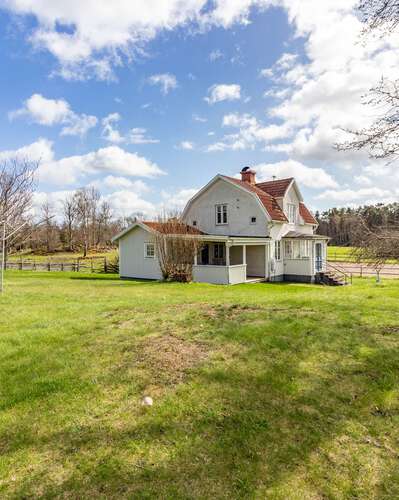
147 102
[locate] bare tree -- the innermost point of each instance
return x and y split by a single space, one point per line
69 210
86 200
48 226
381 138
376 245
17 184
382 15
176 245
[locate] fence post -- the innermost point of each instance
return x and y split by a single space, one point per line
91 265
34 265
361 271
49 265
105 265
77 265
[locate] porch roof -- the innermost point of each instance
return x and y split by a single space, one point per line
235 240
302 236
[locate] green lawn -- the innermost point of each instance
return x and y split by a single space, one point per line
273 391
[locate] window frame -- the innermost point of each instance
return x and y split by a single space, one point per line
216 253
148 244
277 250
292 213
221 209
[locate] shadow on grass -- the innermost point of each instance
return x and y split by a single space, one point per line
245 427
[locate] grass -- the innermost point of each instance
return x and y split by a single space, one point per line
276 391
344 254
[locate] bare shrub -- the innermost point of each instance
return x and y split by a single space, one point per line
176 245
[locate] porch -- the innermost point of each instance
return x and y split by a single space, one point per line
229 261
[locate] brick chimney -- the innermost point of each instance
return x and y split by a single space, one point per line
248 175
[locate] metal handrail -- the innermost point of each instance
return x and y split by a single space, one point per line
340 271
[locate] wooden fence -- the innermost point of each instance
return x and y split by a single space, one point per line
364 269
88 265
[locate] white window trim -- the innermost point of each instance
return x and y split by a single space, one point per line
221 205
277 254
295 214
146 245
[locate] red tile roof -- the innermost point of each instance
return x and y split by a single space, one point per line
306 215
172 227
275 188
266 199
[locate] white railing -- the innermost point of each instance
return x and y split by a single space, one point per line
220 275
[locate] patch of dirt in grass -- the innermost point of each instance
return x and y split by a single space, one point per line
244 312
168 358
389 330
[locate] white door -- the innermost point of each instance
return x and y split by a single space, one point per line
318 257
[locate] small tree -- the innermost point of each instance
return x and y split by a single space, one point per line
176 246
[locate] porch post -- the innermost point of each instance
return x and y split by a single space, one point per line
227 254
195 258
244 254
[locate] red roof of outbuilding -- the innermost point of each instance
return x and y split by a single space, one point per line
266 199
172 227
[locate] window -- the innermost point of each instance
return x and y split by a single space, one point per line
297 249
218 251
149 250
221 214
277 250
252 220
288 249
292 210
194 222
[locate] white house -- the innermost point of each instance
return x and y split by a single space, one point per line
249 232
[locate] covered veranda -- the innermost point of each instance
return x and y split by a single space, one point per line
229 260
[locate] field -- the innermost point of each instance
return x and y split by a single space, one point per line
274 391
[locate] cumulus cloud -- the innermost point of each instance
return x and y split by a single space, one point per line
187 145
49 112
39 151
165 81
112 159
97 39
176 200
135 135
215 55
223 92
359 196
250 133
311 177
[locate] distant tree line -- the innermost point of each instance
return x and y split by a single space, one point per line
342 225
86 223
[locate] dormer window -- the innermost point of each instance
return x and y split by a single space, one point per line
221 214
292 213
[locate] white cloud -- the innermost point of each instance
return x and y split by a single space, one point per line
51 112
285 62
165 81
363 195
39 151
215 55
199 119
251 133
97 39
113 160
138 136
135 135
125 203
316 178
187 145
176 200
223 92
